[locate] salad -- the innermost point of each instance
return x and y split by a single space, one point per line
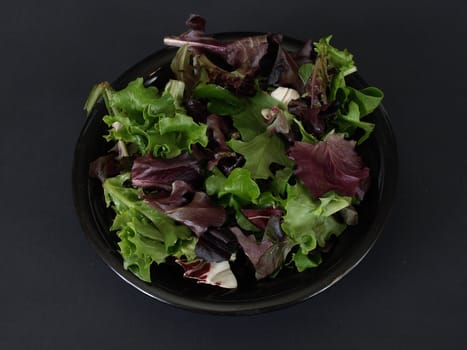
248 153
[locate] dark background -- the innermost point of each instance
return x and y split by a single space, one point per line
56 293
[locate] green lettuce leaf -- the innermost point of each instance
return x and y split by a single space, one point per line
306 137
338 81
301 223
260 153
280 180
146 235
356 104
305 71
183 69
350 121
96 92
154 123
220 100
239 185
235 191
250 122
132 100
331 203
268 200
305 261
215 183
367 99
245 112
341 60
175 89
239 189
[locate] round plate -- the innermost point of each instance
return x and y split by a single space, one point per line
289 287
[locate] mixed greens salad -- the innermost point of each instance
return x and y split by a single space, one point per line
247 153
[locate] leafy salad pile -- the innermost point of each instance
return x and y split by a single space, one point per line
249 150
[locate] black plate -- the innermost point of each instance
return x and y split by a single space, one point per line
289 287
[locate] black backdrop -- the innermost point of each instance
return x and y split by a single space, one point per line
56 293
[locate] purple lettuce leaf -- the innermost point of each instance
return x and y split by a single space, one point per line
244 54
308 115
150 172
109 166
196 31
213 273
253 249
219 129
285 71
273 259
216 245
273 230
104 167
226 162
239 84
197 110
218 153
267 256
179 196
305 55
330 165
317 84
198 212
316 87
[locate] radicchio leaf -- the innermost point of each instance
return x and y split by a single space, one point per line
216 245
214 273
150 172
330 165
198 213
243 54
